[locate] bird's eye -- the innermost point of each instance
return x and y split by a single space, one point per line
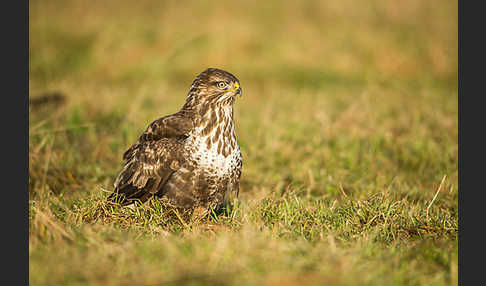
222 85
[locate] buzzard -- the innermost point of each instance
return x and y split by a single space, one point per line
191 157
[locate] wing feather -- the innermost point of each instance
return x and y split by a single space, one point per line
150 162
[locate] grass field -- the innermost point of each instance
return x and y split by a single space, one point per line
348 129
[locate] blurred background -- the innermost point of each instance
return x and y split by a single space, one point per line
324 83
307 43
311 71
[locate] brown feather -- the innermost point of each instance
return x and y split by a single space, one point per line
177 155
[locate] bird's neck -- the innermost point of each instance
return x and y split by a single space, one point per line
214 127
212 117
215 130
204 113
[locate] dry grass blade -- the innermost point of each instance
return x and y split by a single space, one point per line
436 194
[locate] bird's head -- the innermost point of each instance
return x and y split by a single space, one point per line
215 86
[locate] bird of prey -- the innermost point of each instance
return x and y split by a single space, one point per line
191 157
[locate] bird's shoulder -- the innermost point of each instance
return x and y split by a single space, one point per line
162 134
177 125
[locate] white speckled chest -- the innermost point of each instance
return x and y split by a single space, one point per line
212 161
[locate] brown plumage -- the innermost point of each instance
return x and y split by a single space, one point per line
192 157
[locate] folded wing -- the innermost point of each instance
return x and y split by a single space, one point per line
150 162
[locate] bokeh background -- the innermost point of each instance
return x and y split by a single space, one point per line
342 101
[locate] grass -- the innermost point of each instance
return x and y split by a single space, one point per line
348 128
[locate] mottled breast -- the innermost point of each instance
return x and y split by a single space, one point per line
218 156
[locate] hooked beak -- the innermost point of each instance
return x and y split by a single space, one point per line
237 89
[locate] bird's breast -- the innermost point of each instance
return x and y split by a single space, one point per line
219 156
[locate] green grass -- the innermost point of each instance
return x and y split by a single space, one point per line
348 128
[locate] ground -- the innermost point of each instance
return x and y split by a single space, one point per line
347 125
